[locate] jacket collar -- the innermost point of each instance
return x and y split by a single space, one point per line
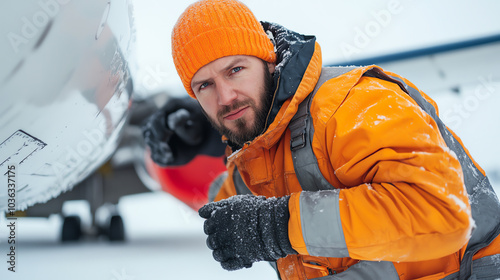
297 70
293 52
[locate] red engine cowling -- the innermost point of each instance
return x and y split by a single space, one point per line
190 182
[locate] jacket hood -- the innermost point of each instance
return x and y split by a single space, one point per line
298 66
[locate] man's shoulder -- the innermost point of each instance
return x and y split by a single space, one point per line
333 90
328 73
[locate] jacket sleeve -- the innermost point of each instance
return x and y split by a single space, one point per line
401 194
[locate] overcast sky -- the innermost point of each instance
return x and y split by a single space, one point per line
344 29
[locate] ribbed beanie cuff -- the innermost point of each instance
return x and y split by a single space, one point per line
211 29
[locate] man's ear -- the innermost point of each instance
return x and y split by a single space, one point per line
271 67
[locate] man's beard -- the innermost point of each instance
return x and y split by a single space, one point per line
242 133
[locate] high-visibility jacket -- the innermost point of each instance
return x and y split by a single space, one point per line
398 206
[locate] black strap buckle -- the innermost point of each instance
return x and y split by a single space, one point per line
298 142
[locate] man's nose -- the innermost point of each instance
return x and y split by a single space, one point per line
225 93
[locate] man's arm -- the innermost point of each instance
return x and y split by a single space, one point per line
402 196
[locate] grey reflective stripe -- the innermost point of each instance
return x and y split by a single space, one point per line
302 131
484 268
484 202
321 226
215 186
366 270
239 185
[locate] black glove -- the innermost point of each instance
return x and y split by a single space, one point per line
179 131
244 229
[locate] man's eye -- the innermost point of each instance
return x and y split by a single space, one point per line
236 69
204 85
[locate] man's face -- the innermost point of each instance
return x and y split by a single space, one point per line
234 92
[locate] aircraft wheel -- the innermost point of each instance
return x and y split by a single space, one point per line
71 229
116 229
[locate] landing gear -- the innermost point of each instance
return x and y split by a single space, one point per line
116 231
71 229
107 223
110 223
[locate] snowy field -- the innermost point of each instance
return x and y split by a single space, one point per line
164 237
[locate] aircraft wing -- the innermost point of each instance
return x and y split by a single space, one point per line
65 89
443 67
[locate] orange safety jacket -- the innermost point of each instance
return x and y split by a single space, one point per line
397 206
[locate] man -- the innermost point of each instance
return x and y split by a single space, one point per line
379 191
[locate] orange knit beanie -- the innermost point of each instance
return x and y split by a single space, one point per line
211 29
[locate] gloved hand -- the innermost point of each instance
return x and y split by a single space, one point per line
178 132
244 229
